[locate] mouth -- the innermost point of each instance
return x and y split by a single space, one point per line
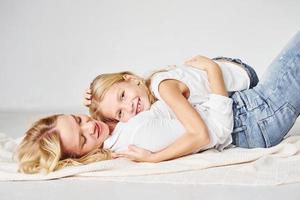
138 106
98 130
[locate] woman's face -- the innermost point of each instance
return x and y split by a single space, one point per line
124 100
81 134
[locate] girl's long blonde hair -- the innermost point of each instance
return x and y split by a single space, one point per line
41 151
101 84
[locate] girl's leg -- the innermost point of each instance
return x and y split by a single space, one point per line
264 115
281 81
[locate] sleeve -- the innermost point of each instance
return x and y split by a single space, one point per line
171 73
155 81
219 103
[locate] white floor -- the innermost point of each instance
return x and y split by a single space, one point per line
94 189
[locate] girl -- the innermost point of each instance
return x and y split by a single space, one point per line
262 115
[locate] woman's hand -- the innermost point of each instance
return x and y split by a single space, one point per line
87 99
114 155
200 62
136 154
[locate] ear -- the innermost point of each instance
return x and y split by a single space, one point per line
128 77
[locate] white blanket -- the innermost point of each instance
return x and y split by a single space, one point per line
236 166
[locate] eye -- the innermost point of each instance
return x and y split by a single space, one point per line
122 95
120 114
79 120
83 140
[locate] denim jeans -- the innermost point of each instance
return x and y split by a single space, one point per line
264 114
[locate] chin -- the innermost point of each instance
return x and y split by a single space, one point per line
147 106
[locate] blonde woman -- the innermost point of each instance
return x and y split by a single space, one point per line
62 140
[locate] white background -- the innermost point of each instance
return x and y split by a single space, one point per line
50 50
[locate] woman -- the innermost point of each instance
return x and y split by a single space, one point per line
61 140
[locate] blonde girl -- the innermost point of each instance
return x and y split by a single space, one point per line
262 115
121 96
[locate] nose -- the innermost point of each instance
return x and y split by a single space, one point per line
88 128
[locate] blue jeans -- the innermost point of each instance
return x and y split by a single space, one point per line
264 114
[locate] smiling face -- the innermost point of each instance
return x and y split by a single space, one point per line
80 134
124 100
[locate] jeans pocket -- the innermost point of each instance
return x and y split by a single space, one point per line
276 126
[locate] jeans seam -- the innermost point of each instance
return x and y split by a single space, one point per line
262 124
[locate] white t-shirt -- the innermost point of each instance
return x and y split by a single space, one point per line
157 128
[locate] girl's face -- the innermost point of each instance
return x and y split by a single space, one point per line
124 100
81 134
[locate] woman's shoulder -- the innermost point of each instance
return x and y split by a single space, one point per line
158 111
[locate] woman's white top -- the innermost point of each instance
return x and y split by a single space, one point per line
158 127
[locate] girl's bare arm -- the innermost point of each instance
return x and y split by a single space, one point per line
196 136
214 73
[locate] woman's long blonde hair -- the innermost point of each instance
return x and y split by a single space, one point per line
41 151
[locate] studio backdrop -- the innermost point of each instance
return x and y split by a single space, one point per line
50 50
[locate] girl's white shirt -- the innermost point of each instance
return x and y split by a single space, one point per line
158 127
235 78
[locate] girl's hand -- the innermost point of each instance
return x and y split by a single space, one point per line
214 73
136 154
200 62
87 99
